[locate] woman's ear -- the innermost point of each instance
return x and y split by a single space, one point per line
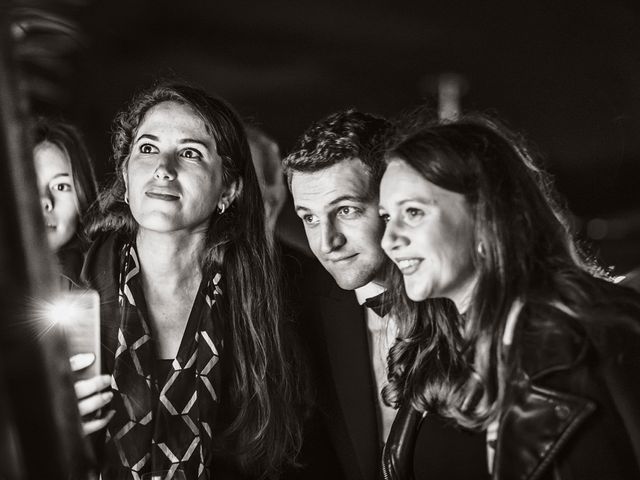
126 182
230 193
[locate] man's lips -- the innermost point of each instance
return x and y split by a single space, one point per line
168 197
342 259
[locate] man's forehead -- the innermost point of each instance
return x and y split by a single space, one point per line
348 178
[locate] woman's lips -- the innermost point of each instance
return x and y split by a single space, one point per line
168 197
408 265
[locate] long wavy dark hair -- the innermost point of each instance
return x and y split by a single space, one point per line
457 366
70 141
265 432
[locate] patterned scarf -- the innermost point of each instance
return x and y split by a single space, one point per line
163 424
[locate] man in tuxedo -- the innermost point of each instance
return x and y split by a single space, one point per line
333 175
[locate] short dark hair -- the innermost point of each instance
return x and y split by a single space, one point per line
340 136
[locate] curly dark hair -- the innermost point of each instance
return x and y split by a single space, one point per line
340 136
264 431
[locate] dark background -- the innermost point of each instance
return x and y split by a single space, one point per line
566 73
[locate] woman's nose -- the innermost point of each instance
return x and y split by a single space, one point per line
392 239
47 203
165 170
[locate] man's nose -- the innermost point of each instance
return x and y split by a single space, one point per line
330 238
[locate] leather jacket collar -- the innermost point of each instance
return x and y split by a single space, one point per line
536 421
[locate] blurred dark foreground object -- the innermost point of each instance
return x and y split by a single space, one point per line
40 436
632 279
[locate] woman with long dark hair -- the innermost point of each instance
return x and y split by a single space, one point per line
67 188
192 318
506 327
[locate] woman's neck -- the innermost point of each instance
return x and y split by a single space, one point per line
172 257
463 295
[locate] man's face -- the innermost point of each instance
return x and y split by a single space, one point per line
340 217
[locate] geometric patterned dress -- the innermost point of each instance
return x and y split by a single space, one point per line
163 423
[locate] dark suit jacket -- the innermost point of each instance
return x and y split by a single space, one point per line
341 438
334 330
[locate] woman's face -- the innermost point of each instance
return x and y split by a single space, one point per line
57 193
429 235
174 173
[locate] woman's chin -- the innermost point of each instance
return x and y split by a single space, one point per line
416 294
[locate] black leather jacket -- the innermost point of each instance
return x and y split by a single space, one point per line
572 407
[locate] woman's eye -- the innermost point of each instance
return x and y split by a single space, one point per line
148 148
191 153
413 215
61 187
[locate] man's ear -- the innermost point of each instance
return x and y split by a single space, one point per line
230 193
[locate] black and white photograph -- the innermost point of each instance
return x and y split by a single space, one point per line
319 240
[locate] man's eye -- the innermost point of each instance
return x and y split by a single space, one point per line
148 148
348 211
191 153
309 219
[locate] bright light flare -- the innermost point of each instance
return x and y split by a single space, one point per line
59 312
64 310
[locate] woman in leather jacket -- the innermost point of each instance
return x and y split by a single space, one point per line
505 325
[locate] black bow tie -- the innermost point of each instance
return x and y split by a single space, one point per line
379 304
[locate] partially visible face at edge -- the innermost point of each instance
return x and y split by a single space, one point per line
266 160
429 235
341 220
57 194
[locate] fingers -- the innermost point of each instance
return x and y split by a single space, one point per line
84 388
94 403
93 426
81 361
92 399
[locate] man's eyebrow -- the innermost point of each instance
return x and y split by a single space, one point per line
349 198
342 198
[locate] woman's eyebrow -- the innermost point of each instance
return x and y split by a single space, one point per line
425 200
149 136
58 175
204 143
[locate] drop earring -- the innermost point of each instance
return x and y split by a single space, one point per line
481 251
222 208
